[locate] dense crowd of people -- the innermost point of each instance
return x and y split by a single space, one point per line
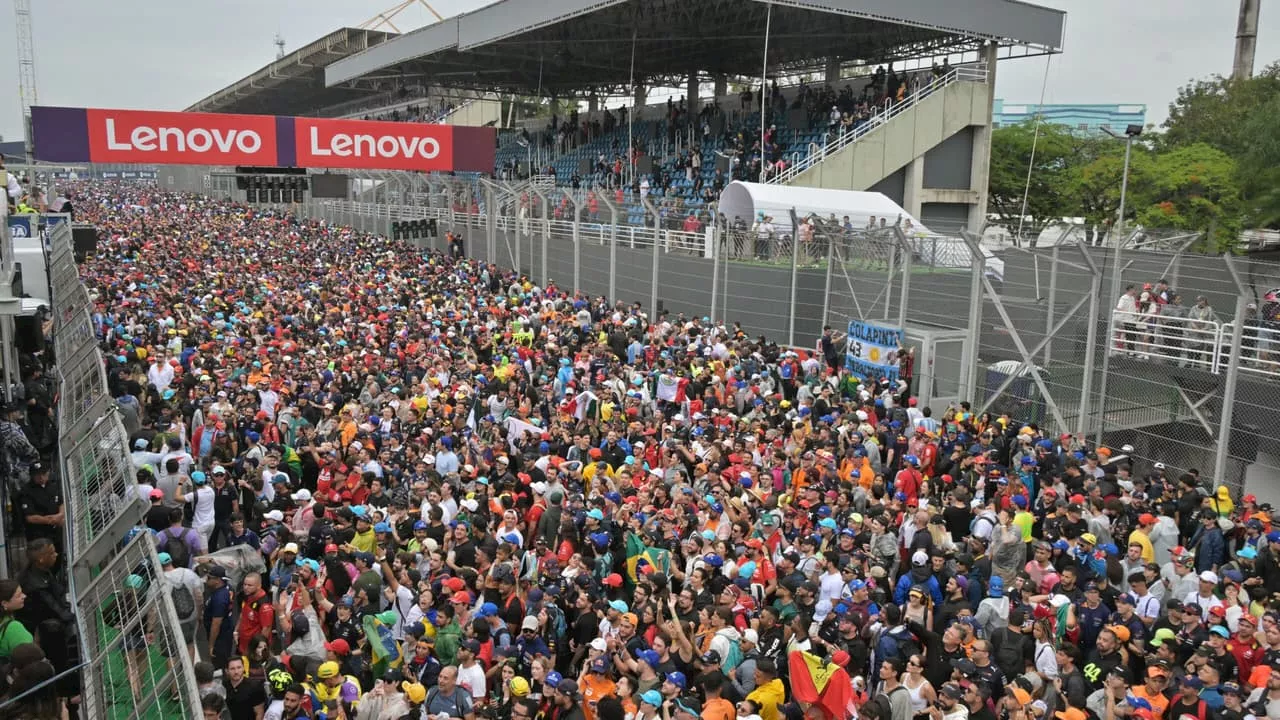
470 496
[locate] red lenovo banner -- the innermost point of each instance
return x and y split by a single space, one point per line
76 135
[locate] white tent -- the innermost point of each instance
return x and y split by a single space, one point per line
747 200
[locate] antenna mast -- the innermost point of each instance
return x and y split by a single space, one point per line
279 43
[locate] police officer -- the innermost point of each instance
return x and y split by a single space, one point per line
41 505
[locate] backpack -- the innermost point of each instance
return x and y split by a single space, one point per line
556 622
733 658
896 643
177 548
184 604
1009 651
884 708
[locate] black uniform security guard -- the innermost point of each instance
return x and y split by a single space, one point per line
41 506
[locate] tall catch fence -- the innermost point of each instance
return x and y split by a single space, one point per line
1022 331
134 660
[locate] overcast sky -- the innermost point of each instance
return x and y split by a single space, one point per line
167 55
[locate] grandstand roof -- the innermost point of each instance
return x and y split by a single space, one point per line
294 84
561 47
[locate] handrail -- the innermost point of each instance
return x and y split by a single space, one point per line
973 73
1203 344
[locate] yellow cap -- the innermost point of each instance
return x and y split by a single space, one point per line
415 692
519 686
328 670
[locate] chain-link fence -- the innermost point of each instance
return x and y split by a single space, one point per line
1029 330
135 662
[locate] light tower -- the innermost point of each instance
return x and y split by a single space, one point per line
1246 39
26 69
279 43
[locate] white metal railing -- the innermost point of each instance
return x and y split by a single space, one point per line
1203 344
967 73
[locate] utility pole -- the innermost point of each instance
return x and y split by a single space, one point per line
1246 39
26 70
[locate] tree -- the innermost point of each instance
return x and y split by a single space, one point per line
1260 167
1217 111
1191 188
1049 197
1096 181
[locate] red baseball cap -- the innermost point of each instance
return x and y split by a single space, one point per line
338 647
1146 519
455 584
330 548
462 597
613 580
1250 498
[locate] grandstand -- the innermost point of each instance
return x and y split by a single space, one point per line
908 125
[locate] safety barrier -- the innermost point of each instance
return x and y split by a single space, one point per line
1204 344
135 662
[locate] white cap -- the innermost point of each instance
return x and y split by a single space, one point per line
530 623
470 505
275 515
428 458
920 558
539 487
1209 576
599 644
751 636
303 495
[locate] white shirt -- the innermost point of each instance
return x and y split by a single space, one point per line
161 376
1203 602
830 587
472 678
202 506
14 190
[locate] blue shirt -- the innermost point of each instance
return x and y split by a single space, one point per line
217 604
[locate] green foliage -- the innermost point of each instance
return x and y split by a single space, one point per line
1050 190
1216 165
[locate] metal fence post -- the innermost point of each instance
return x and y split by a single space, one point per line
1230 381
893 263
577 240
1091 333
900 241
613 244
653 279
976 299
826 285
795 263
1050 309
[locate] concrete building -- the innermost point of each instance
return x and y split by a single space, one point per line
1080 118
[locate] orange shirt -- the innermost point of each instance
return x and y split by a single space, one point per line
1159 703
594 687
719 709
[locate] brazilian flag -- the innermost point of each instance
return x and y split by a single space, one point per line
383 647
290 459
643 559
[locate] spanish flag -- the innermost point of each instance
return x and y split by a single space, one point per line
816 683
643 559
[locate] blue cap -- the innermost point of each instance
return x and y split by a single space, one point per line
552 679
253 436
1028 460
382 527
1220 630
613 497
198 477
996 587
420 525
1248 552
1061 545
512 538
600 539
747 569
164 558
1273 536
649 656
1127 598
827 523
652 697
1020 501
677 678
595 514
856 585
619 606
713 559
487 610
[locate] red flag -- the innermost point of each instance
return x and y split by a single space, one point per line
819 684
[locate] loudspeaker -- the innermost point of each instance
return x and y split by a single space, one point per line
276 194
433 230
28 335
251 195
84 241
584 166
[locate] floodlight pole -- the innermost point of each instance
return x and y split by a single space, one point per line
764 80
1116 269
631 116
